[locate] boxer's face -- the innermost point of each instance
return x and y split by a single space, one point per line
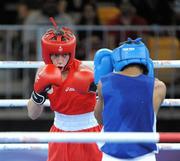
60 60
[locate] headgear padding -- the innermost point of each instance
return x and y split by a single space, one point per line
132 52
58 42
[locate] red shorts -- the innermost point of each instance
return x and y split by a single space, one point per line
74 151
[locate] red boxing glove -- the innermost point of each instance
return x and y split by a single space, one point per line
85 81
49 75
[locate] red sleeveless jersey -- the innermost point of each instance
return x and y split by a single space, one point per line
71 97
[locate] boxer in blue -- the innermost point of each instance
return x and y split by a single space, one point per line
129 98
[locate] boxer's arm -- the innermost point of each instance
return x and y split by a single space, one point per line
159 94
99 105
46 77
34 110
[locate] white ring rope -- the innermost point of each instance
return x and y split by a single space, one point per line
23 146
161 146
81 137
36 64
84 137
23 102
169 146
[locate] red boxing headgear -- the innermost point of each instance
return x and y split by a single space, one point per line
58 42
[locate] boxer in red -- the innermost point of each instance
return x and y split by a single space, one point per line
69 86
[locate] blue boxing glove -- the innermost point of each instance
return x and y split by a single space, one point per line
102 63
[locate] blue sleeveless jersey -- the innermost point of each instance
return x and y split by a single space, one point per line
128 107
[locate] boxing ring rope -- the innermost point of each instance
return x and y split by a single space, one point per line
161 146
84 137
23 102
36 64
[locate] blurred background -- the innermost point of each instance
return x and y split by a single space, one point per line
97 24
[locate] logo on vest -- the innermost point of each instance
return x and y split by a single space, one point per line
69 89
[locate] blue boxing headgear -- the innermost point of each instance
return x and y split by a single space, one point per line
132 52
